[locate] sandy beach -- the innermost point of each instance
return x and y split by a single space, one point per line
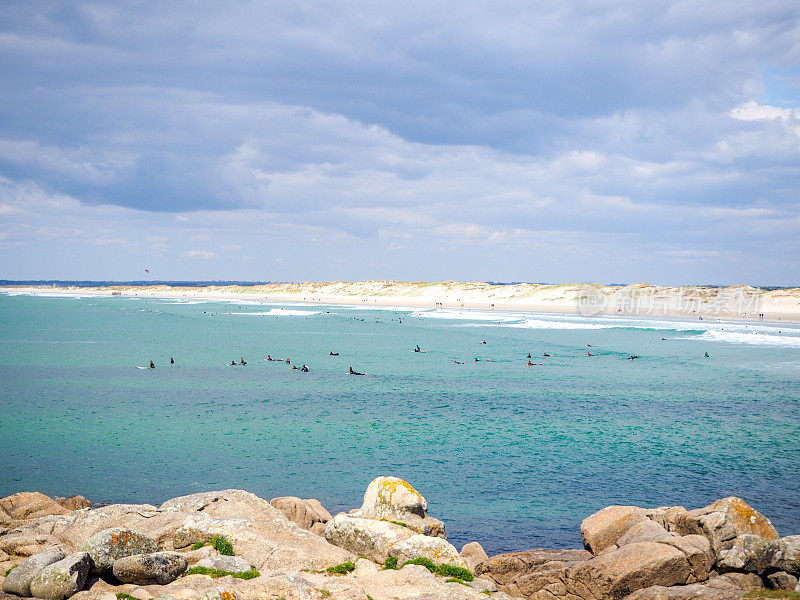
735 302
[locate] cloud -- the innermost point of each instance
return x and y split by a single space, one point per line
201 254
271 127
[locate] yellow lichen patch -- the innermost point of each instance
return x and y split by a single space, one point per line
747 518
389 488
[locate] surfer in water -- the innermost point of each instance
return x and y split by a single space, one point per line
242 361
332 353
355 372
417 349
304 369
152 366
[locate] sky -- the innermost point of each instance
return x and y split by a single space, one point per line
563 141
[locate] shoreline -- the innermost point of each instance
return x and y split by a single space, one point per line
390 548
738 303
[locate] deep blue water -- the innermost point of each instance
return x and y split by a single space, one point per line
509 455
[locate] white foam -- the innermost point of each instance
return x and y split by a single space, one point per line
72 295
466 315
754 338
548 324
276 312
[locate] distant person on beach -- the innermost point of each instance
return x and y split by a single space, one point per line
152 366
354 372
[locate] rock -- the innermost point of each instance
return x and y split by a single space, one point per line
19 580
95 595
473 554
259 532
62 579
74 502
148 569
233 564
220 593
435 548
393 499
604 528
751 554
392 496
365 537
746 582
645 531
725 520
525 573
697 550
667 516
27 544
195 556
484 585
790 562
111 544
306 513
318 529
781 580
618 572
687 592
74 528
30 505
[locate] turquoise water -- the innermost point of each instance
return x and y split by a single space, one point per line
509 455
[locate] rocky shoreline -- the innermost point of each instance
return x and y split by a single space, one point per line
233 545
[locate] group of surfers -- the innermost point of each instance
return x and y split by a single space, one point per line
303 369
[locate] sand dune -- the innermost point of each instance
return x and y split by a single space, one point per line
637 299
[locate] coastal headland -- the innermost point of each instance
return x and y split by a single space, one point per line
734 302
233 545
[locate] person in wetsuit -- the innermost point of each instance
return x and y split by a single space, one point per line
152 366
354 372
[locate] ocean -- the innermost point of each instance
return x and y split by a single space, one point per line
508 455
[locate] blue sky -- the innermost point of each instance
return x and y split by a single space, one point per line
505 141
